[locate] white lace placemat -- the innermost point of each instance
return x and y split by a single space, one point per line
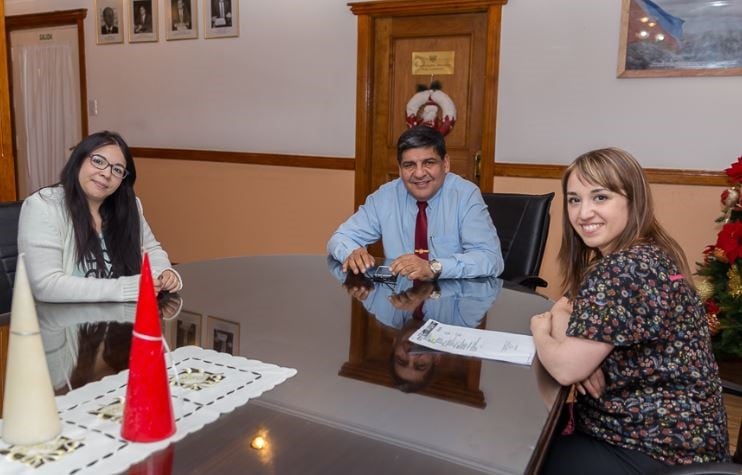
211 384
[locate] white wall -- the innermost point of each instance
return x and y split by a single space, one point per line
559 95
287 85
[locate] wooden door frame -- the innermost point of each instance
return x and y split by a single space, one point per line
7 162
46 20
367 13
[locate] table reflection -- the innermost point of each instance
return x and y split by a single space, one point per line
85 342
292 312
385 313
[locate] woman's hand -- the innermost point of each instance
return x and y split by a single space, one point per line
541 323
170 306
593 385
168 281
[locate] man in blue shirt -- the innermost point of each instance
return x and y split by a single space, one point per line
462 241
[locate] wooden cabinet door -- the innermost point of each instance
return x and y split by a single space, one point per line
389 33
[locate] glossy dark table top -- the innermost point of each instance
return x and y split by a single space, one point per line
341 413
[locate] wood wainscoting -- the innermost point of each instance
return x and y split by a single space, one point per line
668 176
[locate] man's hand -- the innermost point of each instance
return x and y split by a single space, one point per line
410 299
412 267
358 261
358 286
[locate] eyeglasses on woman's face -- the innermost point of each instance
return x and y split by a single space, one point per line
101 163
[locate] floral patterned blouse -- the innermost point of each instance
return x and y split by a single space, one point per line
663 394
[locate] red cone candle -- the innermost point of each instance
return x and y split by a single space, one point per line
148 410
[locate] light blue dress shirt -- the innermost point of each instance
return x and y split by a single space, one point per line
462 302
461 235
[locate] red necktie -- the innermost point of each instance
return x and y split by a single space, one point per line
421 231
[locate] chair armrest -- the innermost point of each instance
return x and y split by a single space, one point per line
704 469
530 281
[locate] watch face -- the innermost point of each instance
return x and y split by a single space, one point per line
436 267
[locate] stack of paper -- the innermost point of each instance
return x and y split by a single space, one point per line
502 346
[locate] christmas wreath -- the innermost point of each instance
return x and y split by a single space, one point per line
721 287
432 107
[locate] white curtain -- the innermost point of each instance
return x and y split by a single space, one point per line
50 107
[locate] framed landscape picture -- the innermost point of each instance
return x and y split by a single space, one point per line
109 21
143 21
181 19
221 18
680 38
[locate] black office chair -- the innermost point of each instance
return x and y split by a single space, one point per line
705 469
522 223
9 213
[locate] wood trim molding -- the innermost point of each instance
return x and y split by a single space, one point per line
41 20
420 7
548 432
668 176
489 109
279 160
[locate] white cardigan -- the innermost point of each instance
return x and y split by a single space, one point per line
46 237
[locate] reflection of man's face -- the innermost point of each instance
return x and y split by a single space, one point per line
142 12
108 16
413 368
180 3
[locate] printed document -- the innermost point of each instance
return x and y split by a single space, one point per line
502 346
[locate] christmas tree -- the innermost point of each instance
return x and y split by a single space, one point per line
721 287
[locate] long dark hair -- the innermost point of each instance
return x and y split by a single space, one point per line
617 171
119 213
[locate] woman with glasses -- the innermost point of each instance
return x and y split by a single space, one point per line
83 237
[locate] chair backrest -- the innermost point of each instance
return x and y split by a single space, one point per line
9 213
522 223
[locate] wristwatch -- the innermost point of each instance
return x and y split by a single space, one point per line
436 267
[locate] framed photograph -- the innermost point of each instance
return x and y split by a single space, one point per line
223 335
143 21
661 38
109 21
181 19
184 330
221 18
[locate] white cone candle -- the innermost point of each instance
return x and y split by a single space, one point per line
29 409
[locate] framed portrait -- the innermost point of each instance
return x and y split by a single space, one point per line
181 19
223 335
221 18
143 21
661 38
184 330
109 21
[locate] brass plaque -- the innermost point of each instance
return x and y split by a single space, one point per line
433 62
